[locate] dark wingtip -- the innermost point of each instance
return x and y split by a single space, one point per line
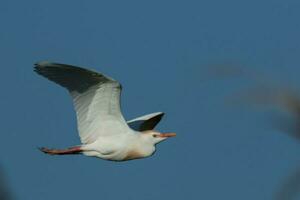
44 150
42 63
39 65
160 116
41 148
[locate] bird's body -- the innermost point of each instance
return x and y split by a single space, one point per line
103 131
124 147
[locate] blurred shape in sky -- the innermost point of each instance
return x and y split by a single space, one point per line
290 188
5 193
224 70
287 102
266 93
229 70
284 99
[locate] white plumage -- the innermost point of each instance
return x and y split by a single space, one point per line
103 131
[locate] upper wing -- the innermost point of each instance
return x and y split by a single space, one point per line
146 122
96 99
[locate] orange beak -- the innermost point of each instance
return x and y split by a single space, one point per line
166 135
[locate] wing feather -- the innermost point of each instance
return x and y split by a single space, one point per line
96 99
145 122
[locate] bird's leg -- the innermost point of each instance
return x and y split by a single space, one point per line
71 150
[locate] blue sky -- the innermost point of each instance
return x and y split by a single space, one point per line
159 51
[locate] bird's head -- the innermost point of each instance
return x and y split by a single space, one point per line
156 137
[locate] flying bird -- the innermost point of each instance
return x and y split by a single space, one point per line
103 131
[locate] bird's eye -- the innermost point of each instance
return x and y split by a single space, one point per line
154 135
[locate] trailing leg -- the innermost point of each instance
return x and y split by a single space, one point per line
71 150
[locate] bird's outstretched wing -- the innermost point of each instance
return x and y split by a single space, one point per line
146 122
96 99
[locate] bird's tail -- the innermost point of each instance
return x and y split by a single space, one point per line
71 150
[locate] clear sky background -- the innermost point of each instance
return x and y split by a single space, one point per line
159 51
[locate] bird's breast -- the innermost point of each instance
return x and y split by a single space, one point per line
139 153
133 154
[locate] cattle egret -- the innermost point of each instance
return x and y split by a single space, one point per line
103 131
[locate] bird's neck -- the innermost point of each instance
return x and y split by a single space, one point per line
146 147
140 149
